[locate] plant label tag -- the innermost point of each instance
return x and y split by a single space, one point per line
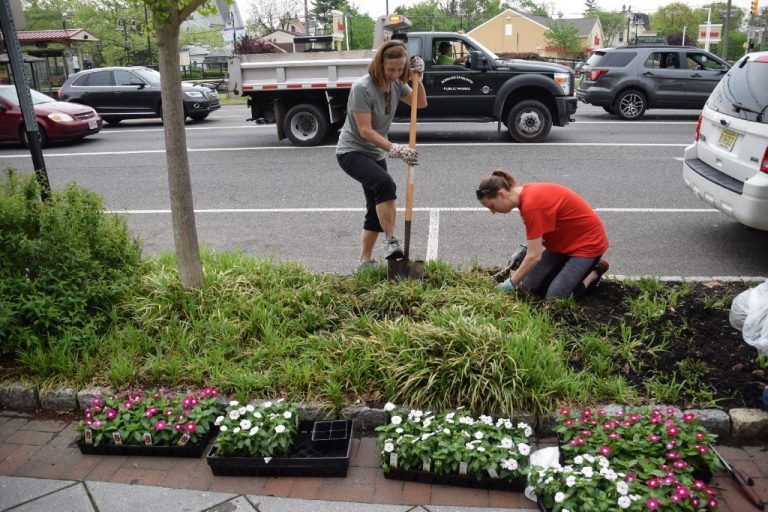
117 438
88 436
147 439
426 465
393 459
492 473
462 468
267 460
184 439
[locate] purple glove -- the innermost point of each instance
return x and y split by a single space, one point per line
408 155
417 64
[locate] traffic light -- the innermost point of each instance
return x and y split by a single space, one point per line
753 10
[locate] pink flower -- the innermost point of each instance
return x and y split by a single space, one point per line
88 413
673 455
653 483
670 410
614 435
168 412
586 412
160 425
700 436
682 491
96 401
695 501
671 444
702 449
698 484
88 422
672 430
128 404
569 422
605 451
630 477
654 438
634 417
178 427
679 464
186 402
669 480
688 417
652 504
712 503
585 432
190 426
215 392
97 423
675 498
111 414
601 412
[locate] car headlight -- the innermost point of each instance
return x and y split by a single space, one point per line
564 81
194 94
60 117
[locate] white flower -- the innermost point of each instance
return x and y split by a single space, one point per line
507 443
219 420
589 458
242 410
603 462
234 415
622 488
245 424
466 420
478 435
223 428
446 431
287 415
609 474
254 431
587 471
389 406
480 449
236 430
396 420
424 437
523 448
234 403
280 429
559 497
266 404
470 446
257 415
570 480
449 417
415 415
250 408
486 419
510 464
399 430
427 422
389 447
624 502
578 460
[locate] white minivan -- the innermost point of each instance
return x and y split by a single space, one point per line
727 164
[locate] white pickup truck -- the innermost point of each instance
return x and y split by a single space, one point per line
306 94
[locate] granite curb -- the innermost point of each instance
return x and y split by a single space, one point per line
738 425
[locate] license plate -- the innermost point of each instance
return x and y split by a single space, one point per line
92 124
727 139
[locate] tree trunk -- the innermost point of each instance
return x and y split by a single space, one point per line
179 182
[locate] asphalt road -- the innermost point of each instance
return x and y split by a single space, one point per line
271 199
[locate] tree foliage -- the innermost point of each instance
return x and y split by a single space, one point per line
590 6
321 12
253 44
451 15
563 39
360 31
613 23
671 19
266 16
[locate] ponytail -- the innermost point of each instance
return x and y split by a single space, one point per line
490 185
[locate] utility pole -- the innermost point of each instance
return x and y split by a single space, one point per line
149 40
709 23
725 30
306 18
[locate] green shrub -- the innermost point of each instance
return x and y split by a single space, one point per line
64 264
215 73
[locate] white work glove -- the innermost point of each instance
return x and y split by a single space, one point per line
417 64
408 155
507 285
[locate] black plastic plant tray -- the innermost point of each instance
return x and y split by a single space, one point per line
190 450
304 458
428 477
330 435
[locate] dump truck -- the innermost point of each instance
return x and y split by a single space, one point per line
305 94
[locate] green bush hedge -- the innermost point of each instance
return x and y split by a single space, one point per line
64 264
214 73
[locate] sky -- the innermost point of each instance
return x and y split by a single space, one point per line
569 8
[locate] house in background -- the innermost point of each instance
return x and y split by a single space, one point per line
513 31
284 37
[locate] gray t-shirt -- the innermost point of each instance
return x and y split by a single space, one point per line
366 96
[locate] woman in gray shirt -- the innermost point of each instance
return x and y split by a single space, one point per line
363 145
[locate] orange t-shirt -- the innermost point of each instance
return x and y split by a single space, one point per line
563 219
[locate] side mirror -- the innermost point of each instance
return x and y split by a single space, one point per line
139 83
478 60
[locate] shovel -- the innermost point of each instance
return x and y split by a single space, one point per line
406 269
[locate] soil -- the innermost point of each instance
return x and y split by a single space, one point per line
702 333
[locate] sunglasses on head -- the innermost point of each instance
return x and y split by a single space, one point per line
482 192
387 102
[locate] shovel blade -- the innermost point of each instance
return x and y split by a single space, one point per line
405 269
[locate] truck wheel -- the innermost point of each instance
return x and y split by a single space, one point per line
529 121
630 105
305 125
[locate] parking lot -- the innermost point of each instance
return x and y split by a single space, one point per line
271 199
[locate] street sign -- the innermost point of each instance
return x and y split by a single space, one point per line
714 33
651 39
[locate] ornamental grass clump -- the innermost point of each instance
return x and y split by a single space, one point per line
641 439
266 430
454 443
150 418
591 483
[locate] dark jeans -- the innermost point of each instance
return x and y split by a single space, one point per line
559 275
378 185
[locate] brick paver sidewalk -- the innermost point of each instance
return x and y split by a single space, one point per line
31 446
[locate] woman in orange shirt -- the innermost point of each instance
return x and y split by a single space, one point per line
566 238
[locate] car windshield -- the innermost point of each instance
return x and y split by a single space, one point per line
486 50
742 92
150 75
9 94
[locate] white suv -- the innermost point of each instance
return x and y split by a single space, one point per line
727 165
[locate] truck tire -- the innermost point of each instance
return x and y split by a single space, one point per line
305 125
630 105
529 121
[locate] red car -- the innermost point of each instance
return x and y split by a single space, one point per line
57 120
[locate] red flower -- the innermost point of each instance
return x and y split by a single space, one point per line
652 504
190 426
605 451
111 414
688 417
672 430
160 425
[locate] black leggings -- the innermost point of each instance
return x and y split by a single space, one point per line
560 275
378 185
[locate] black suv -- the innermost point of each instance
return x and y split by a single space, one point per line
131 93
628 80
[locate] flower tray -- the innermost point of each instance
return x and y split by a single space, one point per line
428 477
304 458
190 450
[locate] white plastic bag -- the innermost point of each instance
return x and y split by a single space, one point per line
543 458
749 312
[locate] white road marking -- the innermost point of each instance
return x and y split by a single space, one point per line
295 148
434 234
431 210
